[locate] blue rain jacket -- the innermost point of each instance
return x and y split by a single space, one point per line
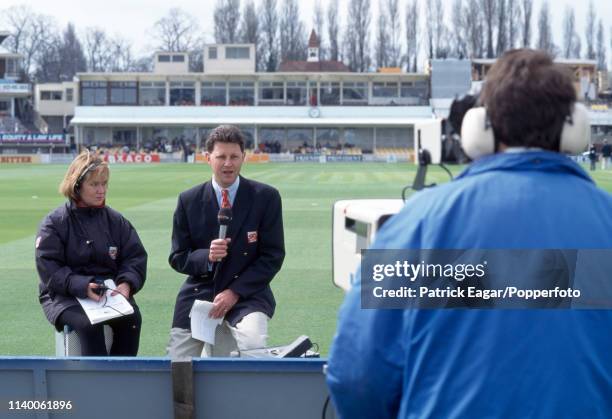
458 363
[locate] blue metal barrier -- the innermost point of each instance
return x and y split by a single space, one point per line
142 388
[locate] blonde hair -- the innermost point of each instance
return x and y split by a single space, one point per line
85 166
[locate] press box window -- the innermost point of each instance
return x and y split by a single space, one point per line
355 91
213 93
182 93
212 53
152 93
94 93
239 53
51 95
385 89
163 58
178 58
12 67
271 91
123 92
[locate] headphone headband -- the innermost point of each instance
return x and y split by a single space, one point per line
77 184
477 138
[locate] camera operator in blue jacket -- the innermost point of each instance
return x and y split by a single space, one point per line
80 242
520 192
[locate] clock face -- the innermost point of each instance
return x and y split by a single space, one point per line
314 112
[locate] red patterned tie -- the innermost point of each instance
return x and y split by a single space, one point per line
225 202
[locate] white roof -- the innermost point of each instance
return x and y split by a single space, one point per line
278 75
6 53
251 115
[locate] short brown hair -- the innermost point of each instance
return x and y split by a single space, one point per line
82 168
225 134
528 99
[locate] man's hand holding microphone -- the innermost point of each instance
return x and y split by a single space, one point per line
218 250
225 300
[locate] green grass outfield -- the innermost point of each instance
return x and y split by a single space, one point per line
307 301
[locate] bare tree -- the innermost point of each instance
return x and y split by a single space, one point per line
178 31
48 62
601 47
545 38
357 35
249 27
441 37
71 54
429 26
318 21
104 53
30 35
569 32
226 17
412 41
97 50
61 57
460 29
526 13
394 33
590 32
143 64
474 24
332 30
249 31
122 58
489 11
577 46
382 38
514 15
269 29
436 29
502 25
293 35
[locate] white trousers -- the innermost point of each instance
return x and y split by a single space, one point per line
249 333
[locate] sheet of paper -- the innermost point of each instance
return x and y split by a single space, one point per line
203 327
107 308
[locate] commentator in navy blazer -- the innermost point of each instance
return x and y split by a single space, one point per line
255 255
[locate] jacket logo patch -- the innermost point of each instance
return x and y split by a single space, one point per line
38 239
112 252
252 237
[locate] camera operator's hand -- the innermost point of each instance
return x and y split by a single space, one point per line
91 293
123 288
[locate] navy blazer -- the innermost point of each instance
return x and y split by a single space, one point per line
255 254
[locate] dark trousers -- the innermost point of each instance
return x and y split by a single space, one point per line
126 332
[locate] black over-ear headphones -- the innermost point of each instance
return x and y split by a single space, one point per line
79 181
477 137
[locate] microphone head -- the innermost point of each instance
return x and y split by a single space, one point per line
225 216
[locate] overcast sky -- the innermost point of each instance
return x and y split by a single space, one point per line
133 19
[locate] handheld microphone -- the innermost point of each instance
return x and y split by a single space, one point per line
224 217
100 290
